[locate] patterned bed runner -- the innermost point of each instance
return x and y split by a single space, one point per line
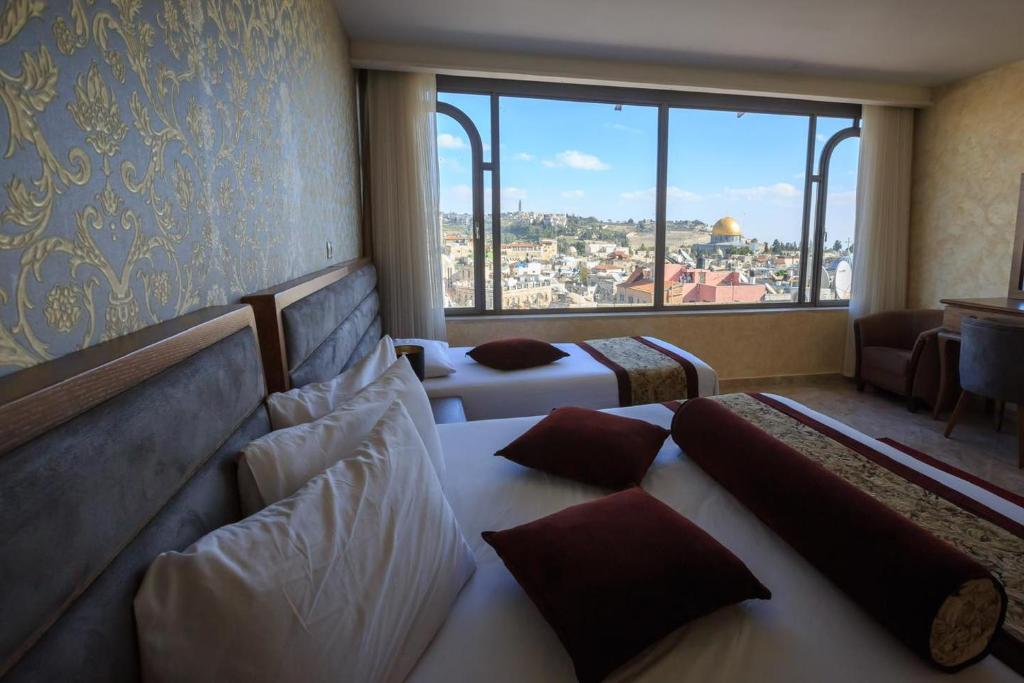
646 372
992 539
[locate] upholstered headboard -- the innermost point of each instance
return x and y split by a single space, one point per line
316 326
109 457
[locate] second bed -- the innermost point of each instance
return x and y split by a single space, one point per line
605 373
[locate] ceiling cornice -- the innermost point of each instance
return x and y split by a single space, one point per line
482 63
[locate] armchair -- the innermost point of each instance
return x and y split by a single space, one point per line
898 351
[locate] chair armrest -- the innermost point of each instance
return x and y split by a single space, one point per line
930 336
927 337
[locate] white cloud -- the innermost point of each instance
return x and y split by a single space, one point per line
461 192
842 198
510 195
759 192
679 194
449 141
573 158
639 195
523 156
449 164
624 128
573 194
673 193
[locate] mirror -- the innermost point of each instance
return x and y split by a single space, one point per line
1017 266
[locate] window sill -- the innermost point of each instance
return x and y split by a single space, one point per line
648 313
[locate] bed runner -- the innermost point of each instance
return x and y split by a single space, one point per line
645 371
995 541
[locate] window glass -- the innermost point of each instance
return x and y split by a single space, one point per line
488 240
478 109
840 219
455 168
825 128
577 203
734 214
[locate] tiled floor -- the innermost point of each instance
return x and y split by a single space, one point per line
975 446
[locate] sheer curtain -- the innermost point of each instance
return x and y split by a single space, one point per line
404 213
883 217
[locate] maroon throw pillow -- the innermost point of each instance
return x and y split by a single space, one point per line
616 575
589 446
515 354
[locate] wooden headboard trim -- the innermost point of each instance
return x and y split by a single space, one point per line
37 399
267 306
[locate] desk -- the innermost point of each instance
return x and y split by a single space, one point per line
1002 309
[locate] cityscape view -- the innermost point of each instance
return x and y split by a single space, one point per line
568 261
578 202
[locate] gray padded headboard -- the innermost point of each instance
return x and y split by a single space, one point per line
88 504
332 328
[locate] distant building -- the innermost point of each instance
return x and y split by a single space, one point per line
458 246
545 250
690 286
601 248
525 295
726 236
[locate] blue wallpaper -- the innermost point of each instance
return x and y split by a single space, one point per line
165 156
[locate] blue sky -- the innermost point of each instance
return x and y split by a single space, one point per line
590 159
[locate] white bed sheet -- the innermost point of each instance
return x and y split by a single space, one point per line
578 380
808 631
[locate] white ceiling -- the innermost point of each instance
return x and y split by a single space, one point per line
924 42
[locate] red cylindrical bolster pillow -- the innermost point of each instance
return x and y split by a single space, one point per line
939 601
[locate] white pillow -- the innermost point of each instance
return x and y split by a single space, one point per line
278 464
398 382
347 580
286 408
436 360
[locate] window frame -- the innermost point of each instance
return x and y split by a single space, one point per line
663 101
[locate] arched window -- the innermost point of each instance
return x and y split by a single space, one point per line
835 210
460 159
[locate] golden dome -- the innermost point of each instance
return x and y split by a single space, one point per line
727 227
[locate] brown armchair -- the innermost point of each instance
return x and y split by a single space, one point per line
898 351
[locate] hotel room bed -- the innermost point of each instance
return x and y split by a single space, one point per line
808 631
99 478
108 457
311 329
580 379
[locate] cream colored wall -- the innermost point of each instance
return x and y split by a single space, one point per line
968 159
737 345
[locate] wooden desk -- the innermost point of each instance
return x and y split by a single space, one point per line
1007 310
1002 309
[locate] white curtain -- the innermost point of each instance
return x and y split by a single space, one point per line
883 217
404 214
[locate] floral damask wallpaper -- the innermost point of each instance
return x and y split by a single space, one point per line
968 160
162 156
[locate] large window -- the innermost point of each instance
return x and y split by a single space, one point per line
594 199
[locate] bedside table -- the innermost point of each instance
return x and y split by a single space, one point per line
447 409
